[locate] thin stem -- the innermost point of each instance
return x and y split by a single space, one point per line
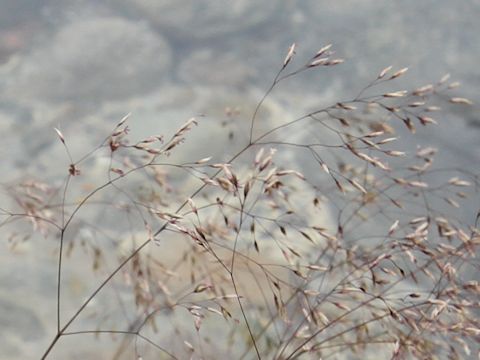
50 347
86 302
60 251
276 80
59 279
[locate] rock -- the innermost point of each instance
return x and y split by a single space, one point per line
209 67
91 60
203 19
19 321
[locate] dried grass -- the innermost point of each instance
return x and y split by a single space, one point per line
250 251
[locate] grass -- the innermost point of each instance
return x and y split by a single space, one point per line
362 255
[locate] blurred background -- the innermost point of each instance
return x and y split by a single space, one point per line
80 66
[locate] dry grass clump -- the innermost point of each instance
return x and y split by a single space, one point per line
362 258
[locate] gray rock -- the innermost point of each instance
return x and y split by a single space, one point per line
91 60
210 67
19 320
202 19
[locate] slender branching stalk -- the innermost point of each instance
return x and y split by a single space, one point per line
351 248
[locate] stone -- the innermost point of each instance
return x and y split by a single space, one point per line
92 60
203 19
